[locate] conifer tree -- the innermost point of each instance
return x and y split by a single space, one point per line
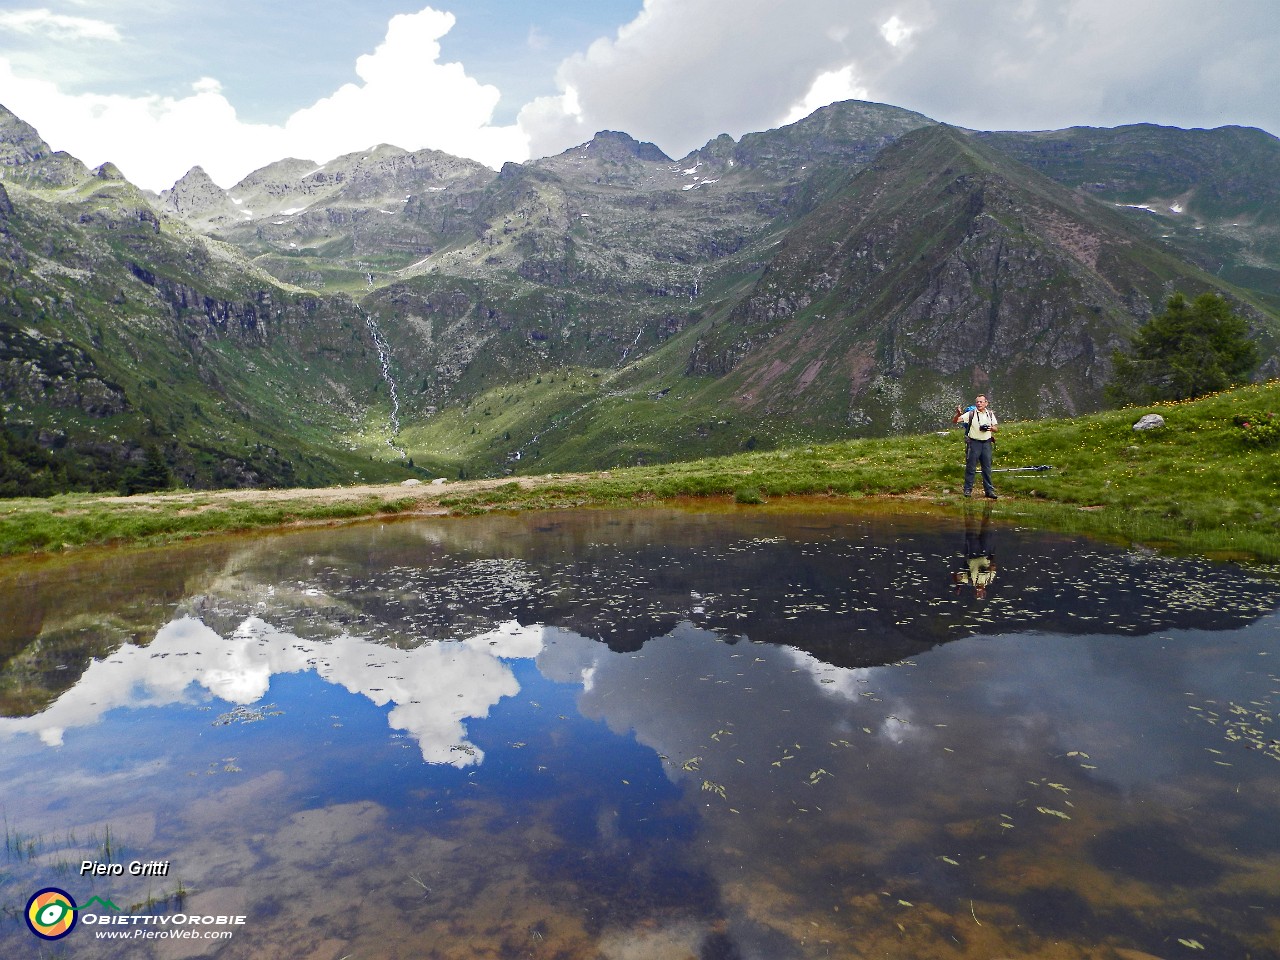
152 474
1190 349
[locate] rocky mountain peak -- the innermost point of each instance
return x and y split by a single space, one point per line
19 141
849 133
195 194
721 146
381 152
25 156
287 171
108 171
610 158
616 145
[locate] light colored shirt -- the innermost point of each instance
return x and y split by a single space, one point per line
981 571
974 419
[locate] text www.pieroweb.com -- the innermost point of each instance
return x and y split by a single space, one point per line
175 927
165 934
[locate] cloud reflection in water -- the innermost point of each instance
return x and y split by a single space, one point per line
434 688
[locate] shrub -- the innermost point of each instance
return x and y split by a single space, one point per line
1259 429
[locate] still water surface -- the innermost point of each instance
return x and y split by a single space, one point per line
647 735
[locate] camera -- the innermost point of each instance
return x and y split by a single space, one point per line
983 426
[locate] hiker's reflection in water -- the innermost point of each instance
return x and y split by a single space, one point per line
980 562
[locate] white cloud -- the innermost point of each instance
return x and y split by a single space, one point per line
43 22
154 140
554 123
684 71
409 99
829 87
895 31
405 97
1037 64
680 73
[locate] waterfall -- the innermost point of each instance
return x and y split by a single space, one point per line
384 358
627 351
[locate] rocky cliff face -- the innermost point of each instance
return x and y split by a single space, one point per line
36 372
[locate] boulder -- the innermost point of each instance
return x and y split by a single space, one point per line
1152 421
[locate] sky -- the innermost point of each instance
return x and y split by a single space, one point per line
160 86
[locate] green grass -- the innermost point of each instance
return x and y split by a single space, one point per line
476 437
1193 486
74 520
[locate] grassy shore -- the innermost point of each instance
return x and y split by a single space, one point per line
1197 485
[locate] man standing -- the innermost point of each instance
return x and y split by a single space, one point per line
979 437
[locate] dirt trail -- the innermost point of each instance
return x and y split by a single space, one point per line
426 492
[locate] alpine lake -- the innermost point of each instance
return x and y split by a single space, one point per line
743 733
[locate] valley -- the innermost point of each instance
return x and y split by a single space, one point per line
389 315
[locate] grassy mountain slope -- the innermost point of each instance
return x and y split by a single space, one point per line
1212 195
941 270
715 305
122 331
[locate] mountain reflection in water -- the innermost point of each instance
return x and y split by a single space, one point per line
651 734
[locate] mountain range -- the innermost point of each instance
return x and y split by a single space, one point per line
390 314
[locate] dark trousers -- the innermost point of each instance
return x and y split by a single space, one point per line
977 452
